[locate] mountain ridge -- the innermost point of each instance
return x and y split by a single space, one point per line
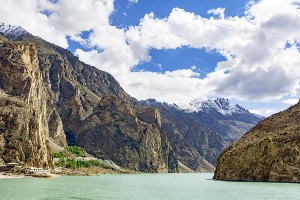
221 105
269 152
220 116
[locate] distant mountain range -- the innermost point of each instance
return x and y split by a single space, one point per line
219 115
49 97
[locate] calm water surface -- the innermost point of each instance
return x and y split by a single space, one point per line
144 186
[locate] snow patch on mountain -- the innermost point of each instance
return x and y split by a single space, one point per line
13 32
219 105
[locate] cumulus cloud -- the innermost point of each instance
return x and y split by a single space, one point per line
183 73
75 16
259 66
218 12
264 112
290 101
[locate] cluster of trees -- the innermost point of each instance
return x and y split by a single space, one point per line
70 151
74 164
69 158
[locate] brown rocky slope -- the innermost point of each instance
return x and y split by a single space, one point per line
269 152
194 144
48 96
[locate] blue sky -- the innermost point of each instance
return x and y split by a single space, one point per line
128 14
177 51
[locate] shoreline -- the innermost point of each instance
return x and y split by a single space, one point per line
58 172
11 175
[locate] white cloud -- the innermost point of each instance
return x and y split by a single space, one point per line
264 112
183 73
75 16
290 101
218 12
259 65
163 87
194 67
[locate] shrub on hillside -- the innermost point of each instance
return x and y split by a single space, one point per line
78 151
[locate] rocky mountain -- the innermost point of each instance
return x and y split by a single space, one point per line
219 115
49 97
228 120
193 142
269 152
219 105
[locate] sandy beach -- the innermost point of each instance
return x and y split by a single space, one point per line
7 175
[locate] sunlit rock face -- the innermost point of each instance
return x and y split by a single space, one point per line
24 131
269 152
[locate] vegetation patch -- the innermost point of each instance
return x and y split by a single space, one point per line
78 151
75 164
73 157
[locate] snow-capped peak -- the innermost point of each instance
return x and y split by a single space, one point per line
220 105
13 32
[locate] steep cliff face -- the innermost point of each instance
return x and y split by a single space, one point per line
269 152
114 131
185 152
195 145
24 132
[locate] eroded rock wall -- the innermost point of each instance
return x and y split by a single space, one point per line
24 133
269 152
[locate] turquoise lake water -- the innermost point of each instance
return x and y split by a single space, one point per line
144 186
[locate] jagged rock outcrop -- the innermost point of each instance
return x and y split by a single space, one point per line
228 120
195 145
269 152
115 132
186 153
24 134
